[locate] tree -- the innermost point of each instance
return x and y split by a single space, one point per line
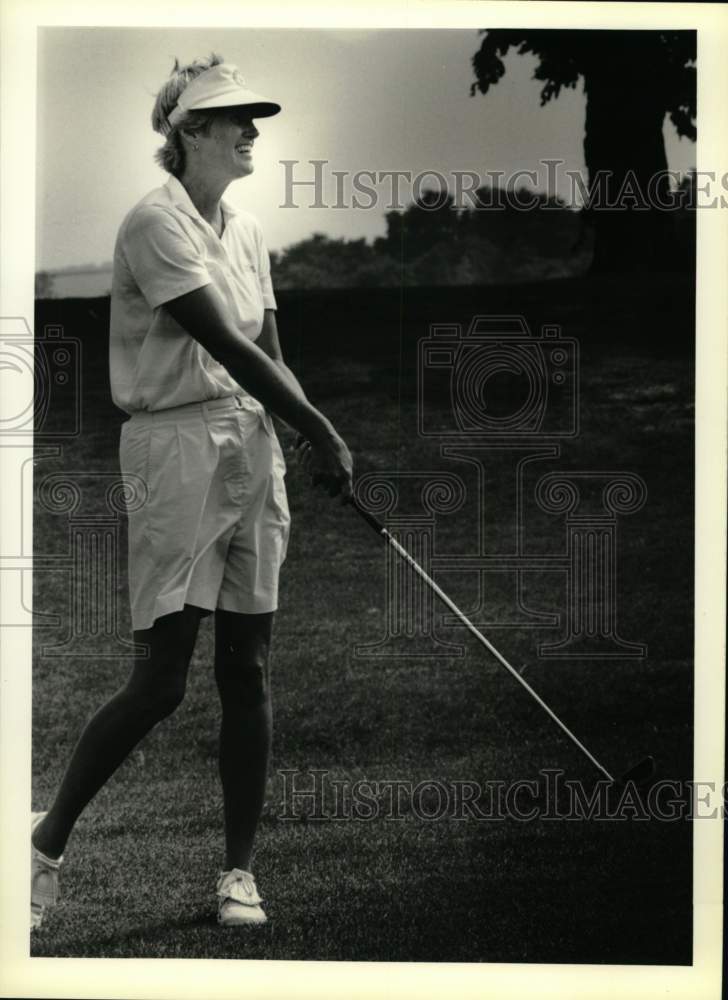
631 79
43 285
322 262
430 219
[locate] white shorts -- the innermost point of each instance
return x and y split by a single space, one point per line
207 508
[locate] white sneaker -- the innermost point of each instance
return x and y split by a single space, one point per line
43 879
239 899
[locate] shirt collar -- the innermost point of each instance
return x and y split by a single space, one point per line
178 195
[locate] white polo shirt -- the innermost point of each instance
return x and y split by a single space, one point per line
163 250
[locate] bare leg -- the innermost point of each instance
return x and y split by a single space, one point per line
155 687
242 644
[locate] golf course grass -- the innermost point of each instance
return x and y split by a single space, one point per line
140 870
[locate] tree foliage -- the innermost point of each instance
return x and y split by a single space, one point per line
632 80
565 57
432 242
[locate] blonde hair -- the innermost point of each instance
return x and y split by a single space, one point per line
171 156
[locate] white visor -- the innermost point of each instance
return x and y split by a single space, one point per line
222 86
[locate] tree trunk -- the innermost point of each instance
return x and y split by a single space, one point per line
624 144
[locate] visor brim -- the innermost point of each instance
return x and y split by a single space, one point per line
259 107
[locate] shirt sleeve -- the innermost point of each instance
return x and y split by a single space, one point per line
161 258
266 284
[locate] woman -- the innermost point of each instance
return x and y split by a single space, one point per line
196 362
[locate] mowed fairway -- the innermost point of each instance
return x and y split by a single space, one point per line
140 870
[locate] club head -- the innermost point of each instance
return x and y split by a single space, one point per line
640 774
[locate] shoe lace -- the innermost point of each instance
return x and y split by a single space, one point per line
237 883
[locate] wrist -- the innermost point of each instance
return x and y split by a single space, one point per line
316 427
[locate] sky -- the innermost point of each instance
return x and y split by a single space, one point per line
361 100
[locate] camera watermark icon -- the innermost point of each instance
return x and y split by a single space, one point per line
39 404
497 380
40 381
17 561
499 398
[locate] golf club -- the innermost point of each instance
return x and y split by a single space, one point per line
639 774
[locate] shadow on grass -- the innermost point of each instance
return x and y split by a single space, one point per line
140 939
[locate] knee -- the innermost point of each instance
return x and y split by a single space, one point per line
166 698
157 697
243 680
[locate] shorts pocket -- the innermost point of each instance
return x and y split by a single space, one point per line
134 455
278 458
280 495
182 462
167 495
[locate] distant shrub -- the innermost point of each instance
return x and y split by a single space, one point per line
43 285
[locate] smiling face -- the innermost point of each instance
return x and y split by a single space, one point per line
226 149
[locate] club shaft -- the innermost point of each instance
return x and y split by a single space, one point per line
488 645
